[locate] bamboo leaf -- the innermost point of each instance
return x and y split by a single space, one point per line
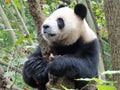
105 87
17 3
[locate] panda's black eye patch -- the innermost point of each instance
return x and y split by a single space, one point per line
60 23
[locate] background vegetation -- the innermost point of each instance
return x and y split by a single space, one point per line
18 36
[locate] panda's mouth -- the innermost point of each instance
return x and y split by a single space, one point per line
49 34
52 35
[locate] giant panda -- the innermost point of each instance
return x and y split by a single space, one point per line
74 45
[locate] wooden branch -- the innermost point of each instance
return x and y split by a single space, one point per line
11 67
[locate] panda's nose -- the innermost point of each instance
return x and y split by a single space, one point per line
46 26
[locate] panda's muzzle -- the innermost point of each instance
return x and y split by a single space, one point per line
47 30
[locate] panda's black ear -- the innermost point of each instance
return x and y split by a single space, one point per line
80 10
61 5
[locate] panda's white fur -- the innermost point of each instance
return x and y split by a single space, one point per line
74 28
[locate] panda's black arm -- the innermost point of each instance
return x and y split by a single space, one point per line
74 67
36 54
34 70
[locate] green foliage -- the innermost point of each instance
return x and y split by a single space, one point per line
101 84
98 11
24 38
50 6
16 55
5 39
105 87
17 3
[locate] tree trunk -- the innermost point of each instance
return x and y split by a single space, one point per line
36 10
112 14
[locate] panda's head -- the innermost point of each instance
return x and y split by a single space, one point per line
65 25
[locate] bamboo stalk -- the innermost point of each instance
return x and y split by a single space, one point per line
11 67
21 19
12 15
7 25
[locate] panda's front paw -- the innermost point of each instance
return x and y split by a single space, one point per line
34 71
57 67
28 68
